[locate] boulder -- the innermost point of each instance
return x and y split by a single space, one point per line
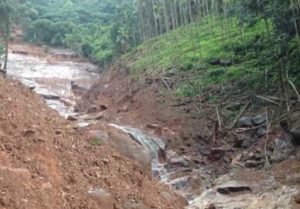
124 144
233 187
177 162
225 63
72 118
50 97
259 119
261 132
295 134
245 122
92 109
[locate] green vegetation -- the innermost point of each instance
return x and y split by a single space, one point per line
89 27
214 42
95 142
7 8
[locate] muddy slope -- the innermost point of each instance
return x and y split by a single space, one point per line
45 164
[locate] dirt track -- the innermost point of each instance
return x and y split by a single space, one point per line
45 164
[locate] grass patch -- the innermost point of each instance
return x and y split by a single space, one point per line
190 48
95 142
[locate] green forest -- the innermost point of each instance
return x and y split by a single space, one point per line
219 40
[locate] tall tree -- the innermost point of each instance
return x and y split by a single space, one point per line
6 16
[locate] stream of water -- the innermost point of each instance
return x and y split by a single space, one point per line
55 82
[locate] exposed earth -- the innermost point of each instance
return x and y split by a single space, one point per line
46 163
95 159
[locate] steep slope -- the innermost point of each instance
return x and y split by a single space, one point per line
45 164
191 87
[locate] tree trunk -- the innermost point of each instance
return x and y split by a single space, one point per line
165 8
6 56
6 48
154 18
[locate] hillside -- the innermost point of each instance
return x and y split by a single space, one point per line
194 85
161 104
46 163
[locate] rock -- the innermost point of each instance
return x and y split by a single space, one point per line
238 142
236 159
50 97
259 119
256 194
103 107
20 52
72 118
295 134
81 125
281 144
249 141
123 144
233 187
283 149
234 107
188 183
177 162
152 126
77 88
28 132
297 198
92 109
158 130
125 108
104 199
261 132
245 122
58 132
217 153
211 206
225 63
253 164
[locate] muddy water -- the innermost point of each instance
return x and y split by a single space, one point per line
52 80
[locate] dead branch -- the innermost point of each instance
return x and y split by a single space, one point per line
267 99
218 116
241 130
239 115
267 164
295 89
166 84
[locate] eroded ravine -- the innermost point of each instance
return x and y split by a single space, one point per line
57 81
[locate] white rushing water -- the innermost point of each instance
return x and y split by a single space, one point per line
154 145
52 80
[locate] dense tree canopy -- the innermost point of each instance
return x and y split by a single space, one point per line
104 29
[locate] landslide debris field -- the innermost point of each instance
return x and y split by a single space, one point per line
46 164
